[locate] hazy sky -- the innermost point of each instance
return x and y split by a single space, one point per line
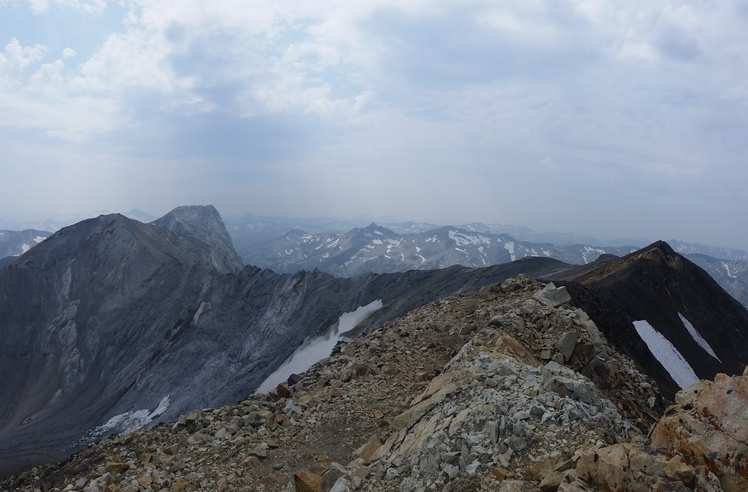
605 118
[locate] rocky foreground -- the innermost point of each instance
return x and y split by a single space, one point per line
510 388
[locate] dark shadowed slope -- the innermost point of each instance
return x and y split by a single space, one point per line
659 286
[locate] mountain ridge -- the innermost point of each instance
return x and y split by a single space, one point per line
499 389
115 317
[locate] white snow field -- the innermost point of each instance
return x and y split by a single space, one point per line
316 349
664 351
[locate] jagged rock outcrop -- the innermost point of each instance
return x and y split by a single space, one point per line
700 443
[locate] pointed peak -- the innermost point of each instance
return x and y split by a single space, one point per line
203 223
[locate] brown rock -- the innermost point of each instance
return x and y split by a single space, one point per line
319 468
180 485
145 481
551 482
499 473
362 472
537 470
116 468
707 424
306 481
283 391
366 451
222 484
275 479
251 462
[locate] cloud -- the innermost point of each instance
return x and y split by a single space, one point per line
16 58
487 107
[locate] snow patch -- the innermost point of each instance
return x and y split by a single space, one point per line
127 422
509 246
727 268
25 247
39 239
465 240
664 351
315 350
697 337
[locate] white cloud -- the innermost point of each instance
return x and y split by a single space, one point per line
16 58
39 6
612 95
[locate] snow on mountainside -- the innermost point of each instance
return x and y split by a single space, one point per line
15 243
414 246
378 249
702 249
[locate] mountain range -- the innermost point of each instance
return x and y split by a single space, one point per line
379 249
464 379
113 324
350 247
112 317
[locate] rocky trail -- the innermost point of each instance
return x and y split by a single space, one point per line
509 388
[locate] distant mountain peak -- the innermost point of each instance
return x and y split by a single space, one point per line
204 224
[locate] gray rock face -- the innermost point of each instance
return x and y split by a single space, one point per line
112 317
203 224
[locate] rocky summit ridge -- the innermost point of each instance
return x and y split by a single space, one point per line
509 388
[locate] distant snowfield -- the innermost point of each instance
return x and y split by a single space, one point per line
127 422
318 348
664 351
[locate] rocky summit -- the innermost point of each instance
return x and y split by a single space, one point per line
511 388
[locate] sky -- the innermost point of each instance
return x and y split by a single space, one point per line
614 119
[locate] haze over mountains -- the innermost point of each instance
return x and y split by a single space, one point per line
346 247
111 323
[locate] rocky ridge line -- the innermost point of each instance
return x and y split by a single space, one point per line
508 388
